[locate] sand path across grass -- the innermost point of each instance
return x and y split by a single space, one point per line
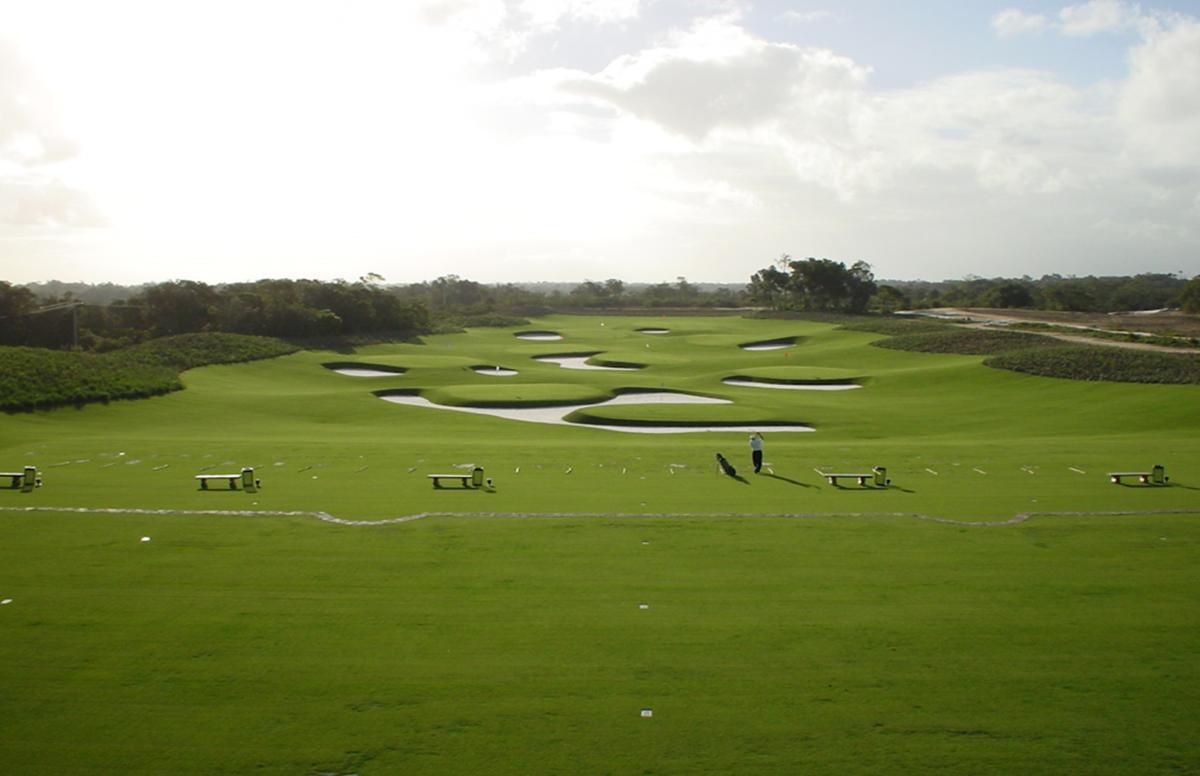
1016 519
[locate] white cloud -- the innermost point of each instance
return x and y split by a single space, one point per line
388 134
716 75
1012 21
1159 103
1080 20
807 17
545 14
1097 16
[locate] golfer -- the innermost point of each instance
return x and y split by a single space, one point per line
756 443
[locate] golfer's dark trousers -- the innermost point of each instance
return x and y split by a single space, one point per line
757 456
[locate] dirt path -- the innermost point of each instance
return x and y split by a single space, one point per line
1016 519
979 320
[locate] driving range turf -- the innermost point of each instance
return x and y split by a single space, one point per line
1000 608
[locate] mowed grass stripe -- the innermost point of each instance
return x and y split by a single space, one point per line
517 647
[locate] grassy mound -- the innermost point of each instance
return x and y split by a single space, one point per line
1119 365
965 342
35 377
335 365
798 375
772 343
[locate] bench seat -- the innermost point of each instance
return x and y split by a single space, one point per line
17 477
465 479
1146 478
232 478
833 477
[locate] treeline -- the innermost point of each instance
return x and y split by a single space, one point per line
823 285
1149 291
294 309
107 317
452 295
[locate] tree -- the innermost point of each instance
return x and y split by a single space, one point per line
889 299
1189 297
860 286
1008 295
16 303
768 287
179 306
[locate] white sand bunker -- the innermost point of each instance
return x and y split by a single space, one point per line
775 344
350 372
742 381
364 370
580 362
494 371
538 336
557 415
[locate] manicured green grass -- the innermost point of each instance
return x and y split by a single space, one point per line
458 644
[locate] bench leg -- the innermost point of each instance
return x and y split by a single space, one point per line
233 484
203 484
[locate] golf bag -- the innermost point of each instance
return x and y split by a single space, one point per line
726 466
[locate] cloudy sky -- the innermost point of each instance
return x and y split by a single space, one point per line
506 140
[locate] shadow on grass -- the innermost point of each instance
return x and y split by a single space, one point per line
871 489
1153 486
789 479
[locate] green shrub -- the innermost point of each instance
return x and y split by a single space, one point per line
895 326
35 377
967 342
1083 362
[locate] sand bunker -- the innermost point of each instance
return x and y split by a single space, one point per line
742 381
365 370
538 336
557 415
494 371
579 361
775 344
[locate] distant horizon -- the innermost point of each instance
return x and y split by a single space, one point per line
386 282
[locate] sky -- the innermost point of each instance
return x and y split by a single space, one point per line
564 140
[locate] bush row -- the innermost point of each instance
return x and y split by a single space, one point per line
966 342
35 377
1083 362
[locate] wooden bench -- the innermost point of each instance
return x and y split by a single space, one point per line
18 478
472 480
833 477
28 478
246 476
232 478
1156 476
877 476
465 479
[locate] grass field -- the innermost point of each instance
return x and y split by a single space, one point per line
790 626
